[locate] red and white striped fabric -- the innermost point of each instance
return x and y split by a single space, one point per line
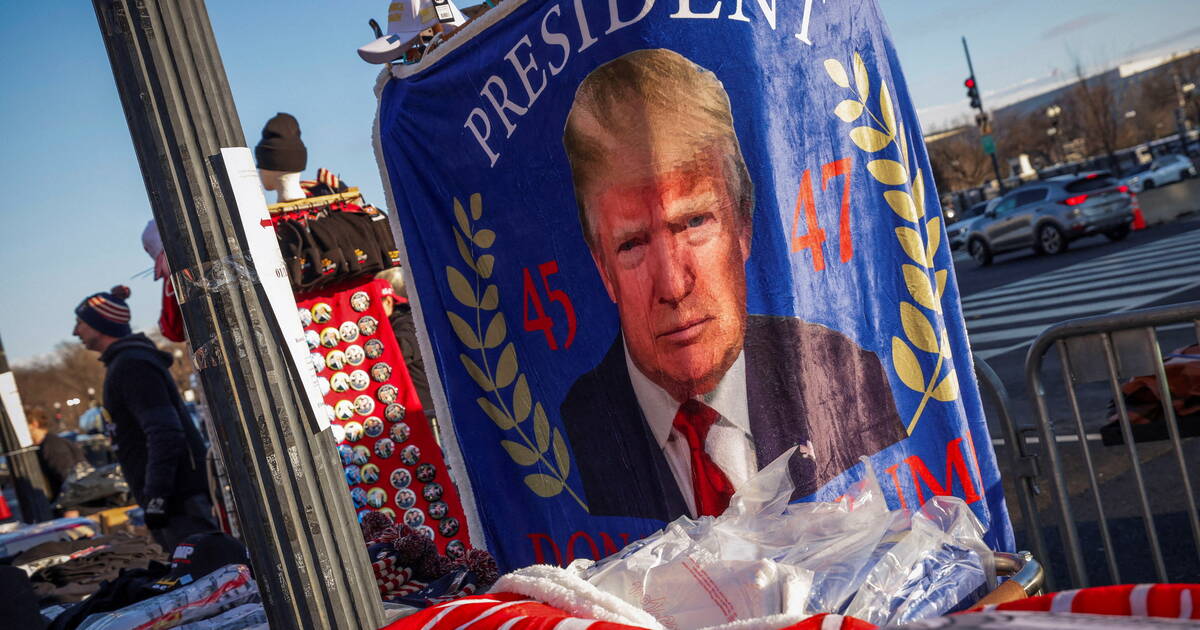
1175 601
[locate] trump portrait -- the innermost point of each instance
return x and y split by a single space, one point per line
695 395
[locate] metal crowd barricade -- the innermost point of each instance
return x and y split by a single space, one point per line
1108 348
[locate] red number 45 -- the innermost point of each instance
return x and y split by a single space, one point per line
541 321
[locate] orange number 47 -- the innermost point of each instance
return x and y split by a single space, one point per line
813 238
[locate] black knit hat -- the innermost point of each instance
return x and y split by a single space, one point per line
107 312
280 148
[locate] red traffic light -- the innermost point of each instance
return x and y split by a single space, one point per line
970 82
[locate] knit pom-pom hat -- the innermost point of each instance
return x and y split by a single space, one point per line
107 312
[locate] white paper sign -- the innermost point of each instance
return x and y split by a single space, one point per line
16 413
250 206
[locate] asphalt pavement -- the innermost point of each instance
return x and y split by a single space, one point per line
1008 304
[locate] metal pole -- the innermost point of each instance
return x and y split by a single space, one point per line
296 515
33 494
971 70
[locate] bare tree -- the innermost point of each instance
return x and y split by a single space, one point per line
1095 101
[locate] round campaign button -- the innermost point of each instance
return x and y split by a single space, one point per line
339 382
335 360
323 385
359 380
381 372
368 325
400 432
344 410
425 473
360 301
330 414
313 339
438 510
400 478
359 496
349 331
364 405
337 433
373 426
414 517
387 394
305 317
330 337
394 412
376 497
432 492
410 455
373 348
355 355
354 431
384 448
361 455
353 475
318 361
346 454
405 498
389 511
425 531
322 312
455 549
369 473
448 527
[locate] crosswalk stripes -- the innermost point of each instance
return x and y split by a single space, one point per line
1011 316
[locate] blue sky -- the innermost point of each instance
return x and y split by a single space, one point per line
77 205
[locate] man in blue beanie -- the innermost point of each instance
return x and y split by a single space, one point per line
159 448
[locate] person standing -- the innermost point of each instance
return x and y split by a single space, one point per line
57 456
158 446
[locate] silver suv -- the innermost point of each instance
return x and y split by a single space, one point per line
1049 214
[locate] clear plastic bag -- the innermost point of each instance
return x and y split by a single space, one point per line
764 556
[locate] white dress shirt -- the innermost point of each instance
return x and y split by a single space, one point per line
729 442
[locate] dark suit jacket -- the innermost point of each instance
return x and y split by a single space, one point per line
803 382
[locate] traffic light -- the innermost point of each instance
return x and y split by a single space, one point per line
973 92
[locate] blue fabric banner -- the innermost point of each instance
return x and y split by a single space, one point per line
657 243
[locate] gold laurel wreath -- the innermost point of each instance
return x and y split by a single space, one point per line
920 243
511 411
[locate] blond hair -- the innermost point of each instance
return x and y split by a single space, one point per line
655 90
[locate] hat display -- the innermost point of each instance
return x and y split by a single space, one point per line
406 20
201 554
280 148
107 312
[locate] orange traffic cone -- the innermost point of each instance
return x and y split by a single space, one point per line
1139 221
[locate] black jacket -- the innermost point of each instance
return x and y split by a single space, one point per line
804 383
159 448
58 457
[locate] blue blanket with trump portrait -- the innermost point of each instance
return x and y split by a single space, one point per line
654 244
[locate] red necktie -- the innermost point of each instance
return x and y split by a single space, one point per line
711 488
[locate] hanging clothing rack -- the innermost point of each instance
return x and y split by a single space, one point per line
314 202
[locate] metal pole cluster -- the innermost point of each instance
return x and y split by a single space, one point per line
28 481
297 519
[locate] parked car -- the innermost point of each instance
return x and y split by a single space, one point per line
957 232
1163 170
1049 214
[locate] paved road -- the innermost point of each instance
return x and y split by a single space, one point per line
1009 303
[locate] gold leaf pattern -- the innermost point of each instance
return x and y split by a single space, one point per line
848 110
907 367
476 206
465 333
520 453
461 217
544 486
869 139
485 264
940 276
910 242
495 332
541 428
886 109
945 347
491 298
934 229
901 203
481 379
917 328
561 456
920 288
862 80
521 399
464 251
506 367
918 188
888 172
496 414
484 238
460 287
837 72
947 390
